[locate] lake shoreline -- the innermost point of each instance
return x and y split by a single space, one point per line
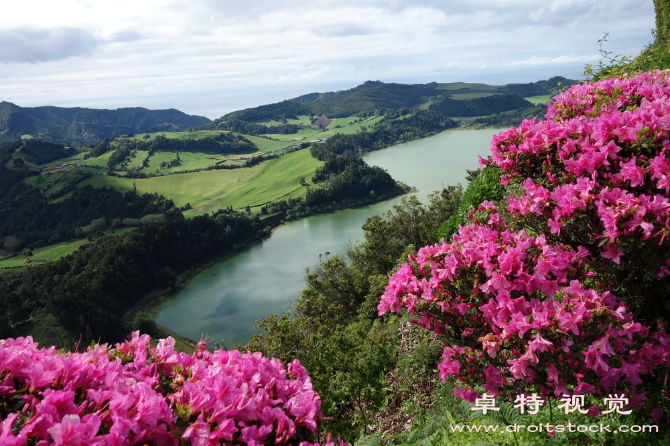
150 302
226 303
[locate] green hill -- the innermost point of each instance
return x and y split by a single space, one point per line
375 98
85 125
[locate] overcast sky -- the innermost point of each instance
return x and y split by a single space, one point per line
209 57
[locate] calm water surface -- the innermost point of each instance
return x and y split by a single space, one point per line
225 299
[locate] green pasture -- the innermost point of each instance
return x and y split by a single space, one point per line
92 169
300 136
269 145
280 179
302 120
464 85
342 122
55 188
198 160
349 125
53 252
37 180
46 330
426 105
99 161
371 120
468 96
536 100
194 135
29 165
135 160
189 161
74 159
50 184
44 254
214 189
158 157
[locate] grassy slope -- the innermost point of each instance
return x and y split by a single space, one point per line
302 120
269 145
44 328
199 134
535 100
279 179
348 126
53 252
277 142
100 161
220 187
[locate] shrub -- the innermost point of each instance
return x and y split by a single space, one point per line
566 291
136 394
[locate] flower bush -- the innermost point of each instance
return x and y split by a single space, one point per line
137 394
565 289
599 166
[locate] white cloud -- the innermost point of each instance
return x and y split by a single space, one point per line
99 51
34 45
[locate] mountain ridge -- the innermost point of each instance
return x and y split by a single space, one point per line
87 125
374 97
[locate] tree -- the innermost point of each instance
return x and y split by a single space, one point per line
662 8
98 224
566 290
12 244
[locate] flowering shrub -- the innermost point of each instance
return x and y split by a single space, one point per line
528 296
599 167
514 308
137 394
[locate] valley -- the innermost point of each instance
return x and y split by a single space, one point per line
274 163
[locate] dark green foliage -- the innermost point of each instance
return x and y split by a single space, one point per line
89 290
346 181
335 291
145 324
6 330
370 440
371 97
347 364
487 105
662 35
238 125
280 111
485 186
40 152
505 119
10 177
100 148
28 215
387 236
540 88
349 177
118 156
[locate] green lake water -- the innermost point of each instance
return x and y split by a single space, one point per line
225 299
